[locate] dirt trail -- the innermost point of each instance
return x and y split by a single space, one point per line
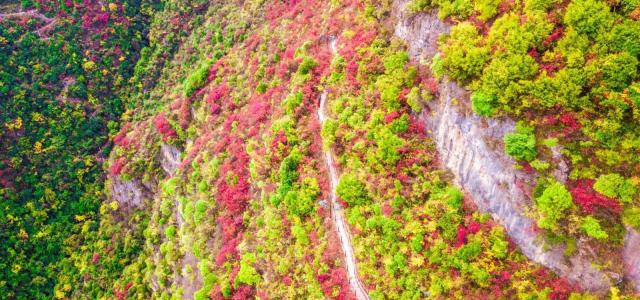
337 212
43 31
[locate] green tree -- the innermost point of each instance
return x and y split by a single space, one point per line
520 145
352 190
589 16
591 227
615 186
555 199
484 104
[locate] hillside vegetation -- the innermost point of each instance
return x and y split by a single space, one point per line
173 150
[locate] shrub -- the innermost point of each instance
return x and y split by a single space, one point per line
201 207
624 37
589 16
555 199
306 65
388 144
619 70
247 274
463 55
197 79
484 104
520 145
170 231
352 190
591 227
615 186
631 217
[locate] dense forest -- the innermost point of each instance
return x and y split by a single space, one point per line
300 149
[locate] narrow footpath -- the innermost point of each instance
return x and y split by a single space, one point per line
337 211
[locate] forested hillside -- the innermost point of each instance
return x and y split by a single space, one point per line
343 149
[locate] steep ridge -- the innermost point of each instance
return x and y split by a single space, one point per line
463 141
337 212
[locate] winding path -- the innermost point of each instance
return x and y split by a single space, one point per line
337 212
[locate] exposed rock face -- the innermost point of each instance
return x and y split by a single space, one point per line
169 158
631 256
464 142
129 193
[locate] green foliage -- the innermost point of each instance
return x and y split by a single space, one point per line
591 227
469 251
200 210
170 232
413 99
197 79
352 190
624 35
615 186
464 56
306 65
247 274
388 144
521 145
631 217
301 202
487 9
555 199
619 70
484 104
589 16
292 102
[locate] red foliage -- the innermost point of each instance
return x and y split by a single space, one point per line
463 232
391 116
243 292
164 128
554 36
122 294
570 122
95 258
589 200
116 168
534 53
213 99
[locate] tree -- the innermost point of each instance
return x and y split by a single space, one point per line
484 104
352 190
589 16
520 145
247 274
624 37
619 70
615 186
555 199
591 227
464 56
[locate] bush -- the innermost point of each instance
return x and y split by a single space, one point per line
631 217
388 145
619 70
520 145
591 227
615 186
170 232
306 65
201 207
589 16
555 199
197 79
624 37
464 58
352 190
247 274
484 104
